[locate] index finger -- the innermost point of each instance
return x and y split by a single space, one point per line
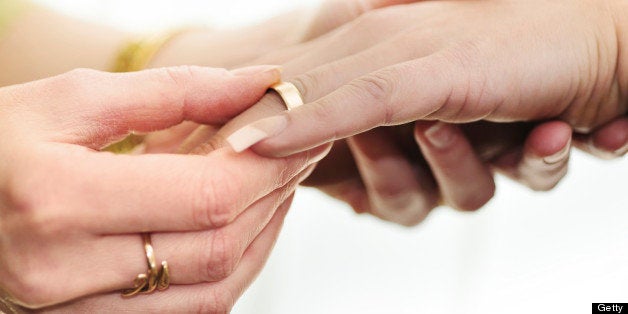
110 193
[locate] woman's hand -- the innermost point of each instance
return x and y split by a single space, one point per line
382 171
463 61
70 215
280 39
526 162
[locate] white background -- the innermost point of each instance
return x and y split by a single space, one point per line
524 253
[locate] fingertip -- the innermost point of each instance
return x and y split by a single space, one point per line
475 201
612 138
549 140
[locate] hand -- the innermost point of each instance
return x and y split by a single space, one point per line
382 173
272 41
385 60
346 41
70 215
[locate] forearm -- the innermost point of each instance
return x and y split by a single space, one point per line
41 43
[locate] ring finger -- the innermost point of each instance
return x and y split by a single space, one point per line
111 262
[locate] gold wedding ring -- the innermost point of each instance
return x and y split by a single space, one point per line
153 279
289 93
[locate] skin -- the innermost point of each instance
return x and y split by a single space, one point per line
205 214
72 147
379 61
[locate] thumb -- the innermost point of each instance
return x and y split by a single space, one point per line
99 107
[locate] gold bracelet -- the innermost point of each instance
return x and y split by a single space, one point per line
136 56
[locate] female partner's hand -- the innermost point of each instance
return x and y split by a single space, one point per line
70 215
539 162
462 61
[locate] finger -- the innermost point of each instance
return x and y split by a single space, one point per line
156 192
107 106
384 97
544 158
609 141
352 192
330 63
193 257
465 182
202 134
397 190
444 86
313 85
361 32
218 297
168 140
335 13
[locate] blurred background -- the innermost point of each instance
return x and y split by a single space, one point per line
525 252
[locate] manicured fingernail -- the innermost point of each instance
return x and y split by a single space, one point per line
439 135
255 132
258 69
559 156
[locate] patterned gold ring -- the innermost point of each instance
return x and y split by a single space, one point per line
153 279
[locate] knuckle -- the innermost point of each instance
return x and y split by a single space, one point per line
15 195
183 75
30 289
35 212
307 83
179 74
289 167
324 111
472 93
23 205
380 87
221 259
215 203
176 81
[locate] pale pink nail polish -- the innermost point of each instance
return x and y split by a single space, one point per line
256 70
255 132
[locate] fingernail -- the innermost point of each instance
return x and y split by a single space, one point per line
559 156
255 132
257 69
439 135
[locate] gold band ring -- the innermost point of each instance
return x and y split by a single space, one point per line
153 279
289 93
